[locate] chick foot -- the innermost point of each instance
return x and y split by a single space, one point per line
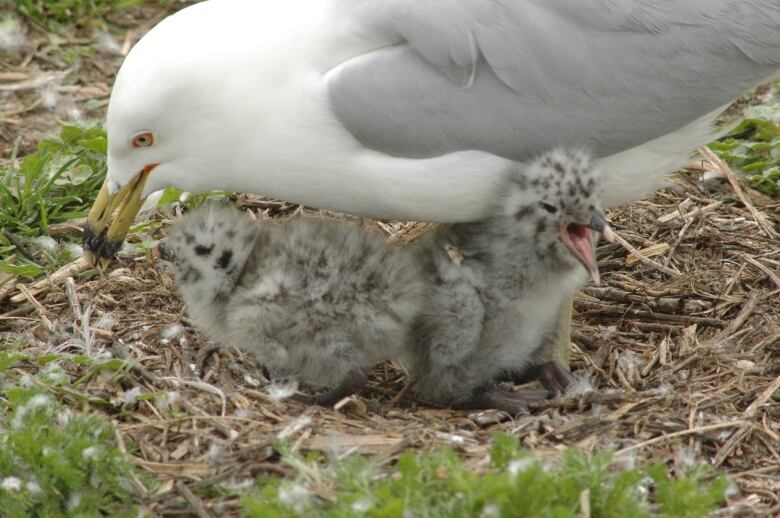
353 382
553 376
507 401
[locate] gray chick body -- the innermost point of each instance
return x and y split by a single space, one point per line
311 299
500 284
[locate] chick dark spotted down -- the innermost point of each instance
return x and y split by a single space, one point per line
314 300
499 285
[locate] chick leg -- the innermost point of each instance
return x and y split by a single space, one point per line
446 363
553 376
352 383
507 401
560 352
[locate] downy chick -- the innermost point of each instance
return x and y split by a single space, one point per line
313 300
500 285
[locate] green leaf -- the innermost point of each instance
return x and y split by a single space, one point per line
21 270
97 144
70 134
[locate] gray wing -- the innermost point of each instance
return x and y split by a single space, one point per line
513 77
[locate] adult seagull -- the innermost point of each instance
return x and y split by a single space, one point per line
415 108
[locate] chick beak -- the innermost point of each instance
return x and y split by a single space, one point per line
581 240
102 237
598 222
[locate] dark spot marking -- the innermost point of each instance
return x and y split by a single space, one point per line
523 212
558 167
230 234
521 182
224 259
203 250
541 226
189 238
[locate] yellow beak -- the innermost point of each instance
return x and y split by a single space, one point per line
102 237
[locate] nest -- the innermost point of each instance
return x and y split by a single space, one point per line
680 343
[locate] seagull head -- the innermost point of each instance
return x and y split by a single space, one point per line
163 123
558 195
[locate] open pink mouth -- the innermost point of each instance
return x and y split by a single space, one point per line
582 241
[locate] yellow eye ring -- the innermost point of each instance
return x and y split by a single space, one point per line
144 139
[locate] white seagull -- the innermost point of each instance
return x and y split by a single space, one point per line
416 108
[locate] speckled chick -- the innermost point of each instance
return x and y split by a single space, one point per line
500 285
315 300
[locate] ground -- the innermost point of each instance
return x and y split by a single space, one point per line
681 344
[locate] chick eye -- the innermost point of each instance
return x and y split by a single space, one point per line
552 209
144 139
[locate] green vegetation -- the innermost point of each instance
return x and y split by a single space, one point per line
46 12
756 150
54 462
54 13
58 183
517 484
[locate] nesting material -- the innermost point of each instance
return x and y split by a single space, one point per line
711 387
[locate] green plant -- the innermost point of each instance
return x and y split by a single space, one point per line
756 151
53 461
70 11
517 484
58 183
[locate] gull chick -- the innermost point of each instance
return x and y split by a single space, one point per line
501 283
313 300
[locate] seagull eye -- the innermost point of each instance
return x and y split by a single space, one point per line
144 139
552 209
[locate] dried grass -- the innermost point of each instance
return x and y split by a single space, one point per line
686 365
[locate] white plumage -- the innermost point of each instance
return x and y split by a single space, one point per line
409 109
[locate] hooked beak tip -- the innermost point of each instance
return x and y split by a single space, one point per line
102 237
